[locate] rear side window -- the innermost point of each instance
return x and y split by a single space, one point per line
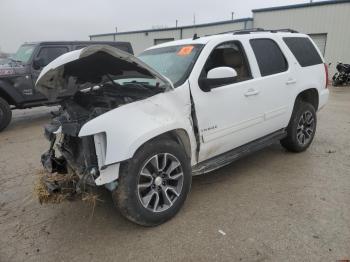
303 50
269 56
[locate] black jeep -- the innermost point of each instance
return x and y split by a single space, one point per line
20 72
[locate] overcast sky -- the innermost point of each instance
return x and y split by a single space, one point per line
34 20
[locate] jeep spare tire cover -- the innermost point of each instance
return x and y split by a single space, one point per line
74 70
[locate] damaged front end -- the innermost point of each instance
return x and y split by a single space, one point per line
89 83
68 153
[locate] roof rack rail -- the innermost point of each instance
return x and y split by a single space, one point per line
258 30
288 30
240 31
248 31
255 30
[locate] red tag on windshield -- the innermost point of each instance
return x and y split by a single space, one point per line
186 50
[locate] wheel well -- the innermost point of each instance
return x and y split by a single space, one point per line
309 96
7 97
180 137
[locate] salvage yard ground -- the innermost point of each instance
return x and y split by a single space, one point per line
272 205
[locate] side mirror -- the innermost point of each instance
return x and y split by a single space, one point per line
38 63
217 77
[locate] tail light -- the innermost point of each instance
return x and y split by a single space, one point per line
326 71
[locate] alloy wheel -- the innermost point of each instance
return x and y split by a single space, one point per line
160 182
305 128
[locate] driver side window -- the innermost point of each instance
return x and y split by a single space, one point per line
229 54
48 54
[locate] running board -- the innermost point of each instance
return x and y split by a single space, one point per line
232 155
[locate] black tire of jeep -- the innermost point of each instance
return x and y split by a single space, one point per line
126 196
5 114
291 142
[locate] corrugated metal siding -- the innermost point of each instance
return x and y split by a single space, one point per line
332 20
209 30
142 40
321 41
102 38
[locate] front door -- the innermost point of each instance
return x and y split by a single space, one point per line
228 116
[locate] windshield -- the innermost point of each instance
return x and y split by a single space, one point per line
24 53
174 62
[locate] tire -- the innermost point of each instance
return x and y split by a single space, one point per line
149 196
5 114
302 124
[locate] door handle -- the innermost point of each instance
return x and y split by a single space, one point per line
291 82
251 92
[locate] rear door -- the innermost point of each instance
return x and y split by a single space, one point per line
276 82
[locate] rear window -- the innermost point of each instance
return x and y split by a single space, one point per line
269 56
303 50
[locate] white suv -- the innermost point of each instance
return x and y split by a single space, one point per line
143 126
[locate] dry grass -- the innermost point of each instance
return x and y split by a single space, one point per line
91 199
44 196
67 192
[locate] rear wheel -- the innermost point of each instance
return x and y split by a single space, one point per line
154 184
5 114
301 129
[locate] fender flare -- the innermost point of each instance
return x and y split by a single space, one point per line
9 93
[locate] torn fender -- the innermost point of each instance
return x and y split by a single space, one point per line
126 128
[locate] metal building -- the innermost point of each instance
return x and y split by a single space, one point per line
143 39
326 22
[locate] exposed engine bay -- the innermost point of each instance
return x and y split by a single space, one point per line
90 82
77 154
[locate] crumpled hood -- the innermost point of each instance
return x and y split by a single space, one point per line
69 72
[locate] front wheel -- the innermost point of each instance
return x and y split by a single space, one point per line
154 184
301 129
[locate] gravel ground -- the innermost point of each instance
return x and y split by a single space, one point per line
270 206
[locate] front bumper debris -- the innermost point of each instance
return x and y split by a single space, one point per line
55 187
53 164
